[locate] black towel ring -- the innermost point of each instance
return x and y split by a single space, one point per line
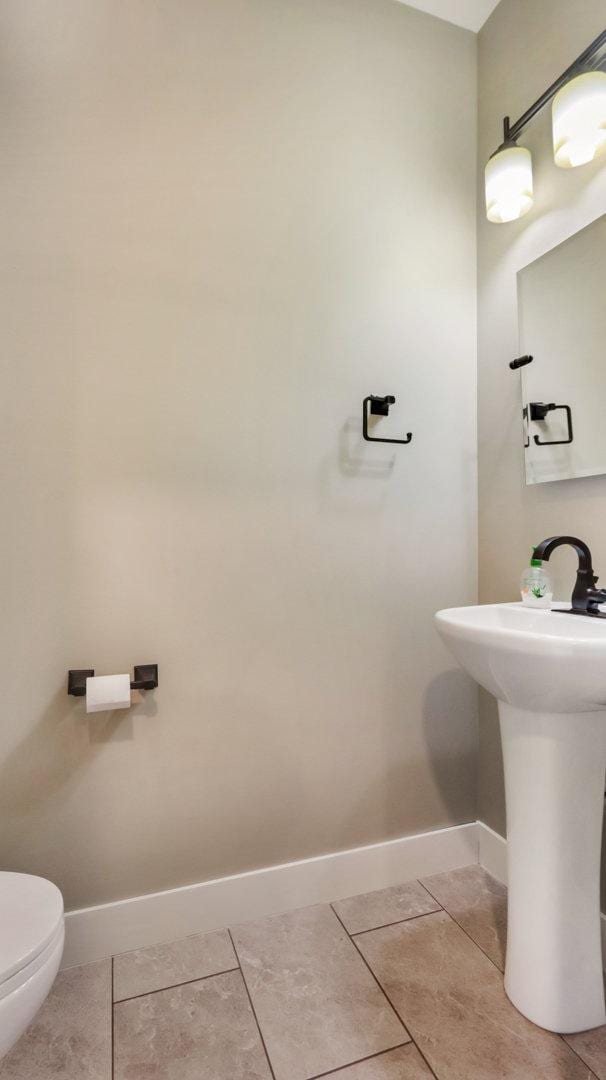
379 406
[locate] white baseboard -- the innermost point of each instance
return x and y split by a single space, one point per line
97 932
492 852
493 857
94 933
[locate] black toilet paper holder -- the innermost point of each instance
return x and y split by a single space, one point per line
146 678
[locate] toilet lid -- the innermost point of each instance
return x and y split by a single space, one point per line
31 909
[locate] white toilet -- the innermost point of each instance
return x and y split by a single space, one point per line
31 945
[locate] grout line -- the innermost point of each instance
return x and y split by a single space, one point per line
360 1061
239 968
467 934
174 986
423 1058
591 1075
395 1011
386 995
152 944
396 922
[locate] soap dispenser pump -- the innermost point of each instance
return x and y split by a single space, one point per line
536 586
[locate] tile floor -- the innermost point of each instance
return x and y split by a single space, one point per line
401 984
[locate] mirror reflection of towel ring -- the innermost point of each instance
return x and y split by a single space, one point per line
537 410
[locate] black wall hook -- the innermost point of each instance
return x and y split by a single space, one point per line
520 362
146 678
379 406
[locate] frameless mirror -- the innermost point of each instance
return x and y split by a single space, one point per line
562 320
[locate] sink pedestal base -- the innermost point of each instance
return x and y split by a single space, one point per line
555 764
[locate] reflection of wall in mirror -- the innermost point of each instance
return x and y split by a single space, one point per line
562 318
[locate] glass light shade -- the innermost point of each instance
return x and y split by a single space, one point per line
579 120
509 184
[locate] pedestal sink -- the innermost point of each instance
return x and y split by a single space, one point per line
548 671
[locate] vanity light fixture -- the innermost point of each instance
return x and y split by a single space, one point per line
579 134
579 120
509 191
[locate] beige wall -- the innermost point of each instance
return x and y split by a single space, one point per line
225 223
523 47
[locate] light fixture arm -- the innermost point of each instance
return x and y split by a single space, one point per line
511 132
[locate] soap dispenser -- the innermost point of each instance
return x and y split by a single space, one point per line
536 586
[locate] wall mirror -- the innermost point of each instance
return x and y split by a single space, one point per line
562 321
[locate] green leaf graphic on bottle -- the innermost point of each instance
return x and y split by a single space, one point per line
538 591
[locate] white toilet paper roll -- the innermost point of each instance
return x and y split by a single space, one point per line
105 692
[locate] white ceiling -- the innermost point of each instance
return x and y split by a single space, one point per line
472 14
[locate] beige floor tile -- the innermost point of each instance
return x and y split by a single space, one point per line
70 1039
451 998
591 1046
405 1063
371 910
161 966
318 1006
201 1031
478 902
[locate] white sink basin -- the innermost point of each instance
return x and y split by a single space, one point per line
528 657
548 672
